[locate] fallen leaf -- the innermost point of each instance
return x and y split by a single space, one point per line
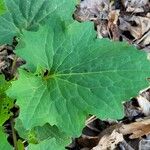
136 129
109 141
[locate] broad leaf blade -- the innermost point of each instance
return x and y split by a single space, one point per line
86 76
7 29
29 14
39 134
43 60
48 132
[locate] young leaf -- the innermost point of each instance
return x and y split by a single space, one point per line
28 14
85 76
4 145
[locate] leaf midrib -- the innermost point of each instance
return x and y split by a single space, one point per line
97 72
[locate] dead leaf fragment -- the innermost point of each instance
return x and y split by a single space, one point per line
91 9
109 142
136 129
135 5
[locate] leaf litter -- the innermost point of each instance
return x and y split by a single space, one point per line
9 62
125 20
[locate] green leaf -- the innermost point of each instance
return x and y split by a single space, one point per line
41 133
21 130
48 144
5 102
2 7
28 14
85 76
5 105
48 132
4 145
3 86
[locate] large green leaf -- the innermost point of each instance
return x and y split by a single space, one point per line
28 14
4 145
85 76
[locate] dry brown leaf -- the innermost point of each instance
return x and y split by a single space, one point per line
88 9
135 5
113 17
136 25
132 24
136 129
109 142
